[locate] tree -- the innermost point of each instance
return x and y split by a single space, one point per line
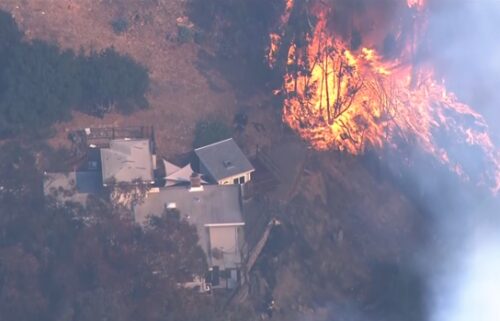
110 79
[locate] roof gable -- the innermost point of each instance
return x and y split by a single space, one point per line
223 159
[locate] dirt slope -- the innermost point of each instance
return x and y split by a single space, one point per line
179 96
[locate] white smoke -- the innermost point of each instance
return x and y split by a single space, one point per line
469 289
465 45
465 41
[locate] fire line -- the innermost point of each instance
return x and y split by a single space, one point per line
335 97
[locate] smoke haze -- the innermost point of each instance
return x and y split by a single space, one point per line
470 287
464 43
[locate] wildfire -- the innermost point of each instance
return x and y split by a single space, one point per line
275 38
349 100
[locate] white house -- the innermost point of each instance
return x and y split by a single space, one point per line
224 163
216 212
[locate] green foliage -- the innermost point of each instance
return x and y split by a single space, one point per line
210 131
39 84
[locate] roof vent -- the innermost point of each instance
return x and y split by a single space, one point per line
227 164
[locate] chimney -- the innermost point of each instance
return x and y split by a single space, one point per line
195 183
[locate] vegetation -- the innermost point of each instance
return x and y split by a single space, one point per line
238 32
40 84
210 131
119 25
71 263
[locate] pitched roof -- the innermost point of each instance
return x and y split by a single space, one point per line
223 159
126 160
176 175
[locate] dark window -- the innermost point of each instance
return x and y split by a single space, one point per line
242 179
235 181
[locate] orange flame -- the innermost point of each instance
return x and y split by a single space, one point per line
336 98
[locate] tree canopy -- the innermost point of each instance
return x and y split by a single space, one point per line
74 263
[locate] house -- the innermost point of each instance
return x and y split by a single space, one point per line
212 204
216 212
128 161
72 186
224 163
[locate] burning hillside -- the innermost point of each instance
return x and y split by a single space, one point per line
351 86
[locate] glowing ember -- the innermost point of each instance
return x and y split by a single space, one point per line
349 100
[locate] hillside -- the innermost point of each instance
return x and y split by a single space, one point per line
180 93
345 246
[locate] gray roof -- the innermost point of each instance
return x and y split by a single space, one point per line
126 160
215 204
223 159
215 211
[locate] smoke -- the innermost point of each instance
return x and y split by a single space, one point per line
370 23
464 45
462 261
471 288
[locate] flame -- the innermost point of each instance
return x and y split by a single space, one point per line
275 38
351 100
274 44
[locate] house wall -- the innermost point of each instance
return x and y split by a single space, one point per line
230 180
228 241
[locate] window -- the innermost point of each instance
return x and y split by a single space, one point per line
235 181
242 179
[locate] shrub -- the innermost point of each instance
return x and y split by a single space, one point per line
210 131
119 25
